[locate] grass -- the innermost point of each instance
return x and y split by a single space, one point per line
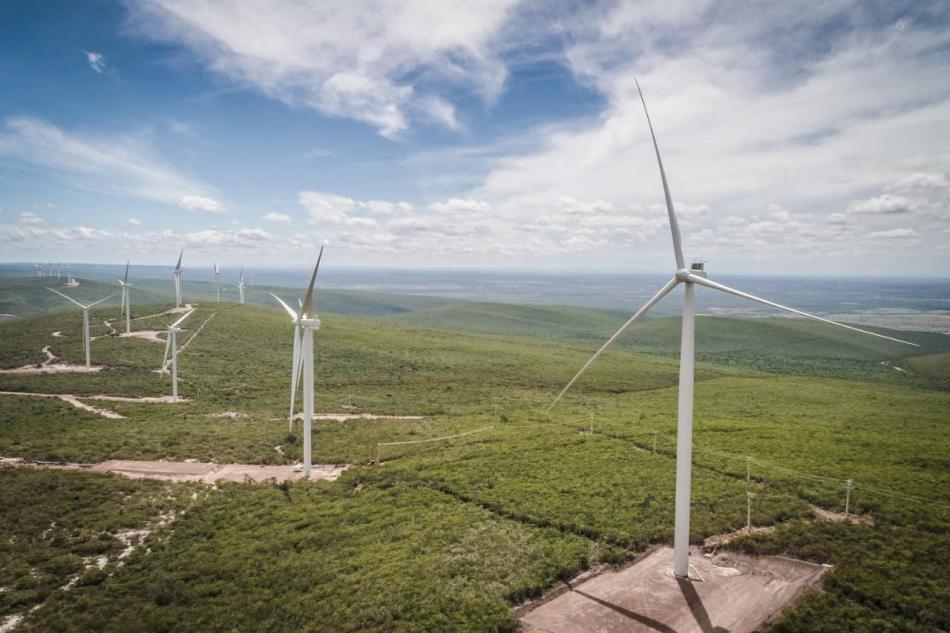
449 535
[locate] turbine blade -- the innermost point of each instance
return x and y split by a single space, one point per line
100 300
126 278
745 295
298 360
674 225
242 275
626 326
168 344
308 298
65 297
293 315
178 265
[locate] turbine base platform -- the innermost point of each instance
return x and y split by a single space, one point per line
738 594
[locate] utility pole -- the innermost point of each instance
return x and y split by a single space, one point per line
748 469
748 513
848 485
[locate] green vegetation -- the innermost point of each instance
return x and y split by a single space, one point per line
449 535
59 526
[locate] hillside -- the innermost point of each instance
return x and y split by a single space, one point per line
492 519
24 297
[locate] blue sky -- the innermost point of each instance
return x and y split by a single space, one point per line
797 139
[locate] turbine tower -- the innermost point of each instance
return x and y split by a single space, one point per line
690 278
217 282
85 322
178 280
240 286
171 345
126 308
305 322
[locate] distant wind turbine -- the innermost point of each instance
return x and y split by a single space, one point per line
305 322
240 286
684 429
85 322
178 280
217 280
171 345
126 307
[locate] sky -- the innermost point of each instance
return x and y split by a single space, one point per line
798 138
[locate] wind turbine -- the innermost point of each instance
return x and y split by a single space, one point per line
178 280
240 286
171 345
690 278
305 322
217 279
85 322
126 308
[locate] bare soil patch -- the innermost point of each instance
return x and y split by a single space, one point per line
76 402
146 335
48 367
193 471
840 517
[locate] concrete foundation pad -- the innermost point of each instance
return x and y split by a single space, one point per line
737 595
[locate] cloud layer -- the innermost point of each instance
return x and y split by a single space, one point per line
124 165
381 63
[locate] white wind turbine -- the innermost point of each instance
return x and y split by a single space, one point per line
217 281
171 345
85 322
126 307
684 428
305 322
240 286
178 280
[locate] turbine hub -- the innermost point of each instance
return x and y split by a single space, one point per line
682 275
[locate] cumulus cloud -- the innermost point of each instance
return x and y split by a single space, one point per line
280 218
200 203
374 62
883 205
922 180
134 222
125 165
96 61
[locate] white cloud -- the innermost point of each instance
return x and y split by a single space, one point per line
883 205
466 206
200 203
124 165
384 207
922 180
281 218
901 233
96 61
31 219
374 62
134 222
